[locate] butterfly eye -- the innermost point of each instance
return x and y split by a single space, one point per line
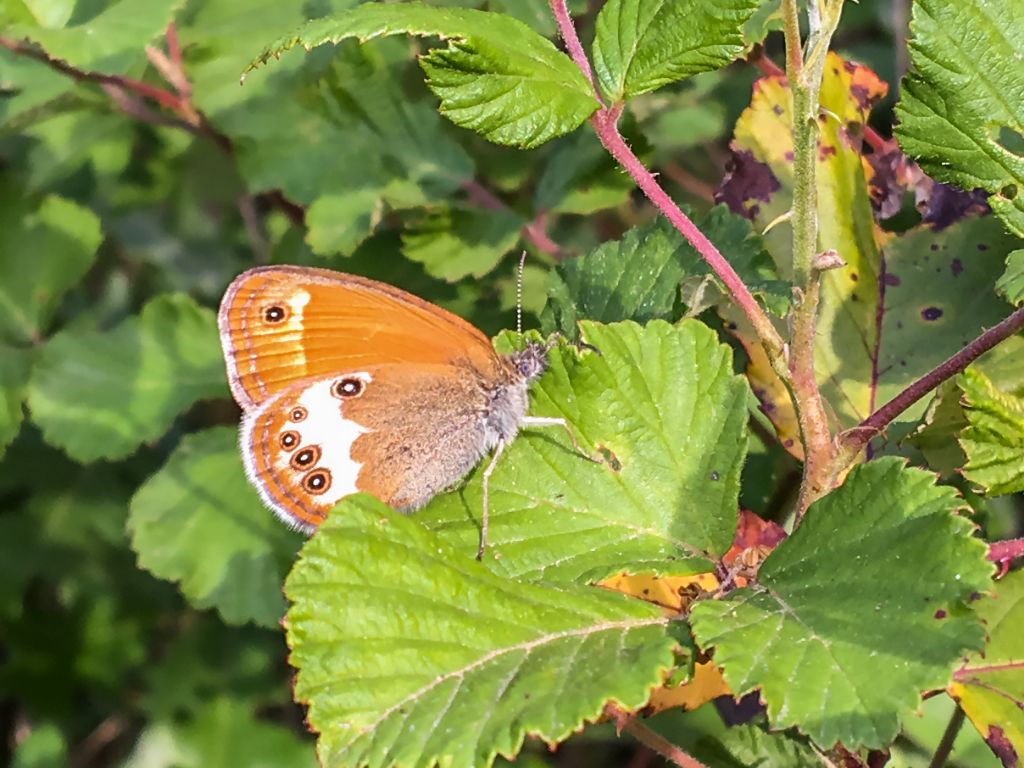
289 440
298 413
307 457
317 481
348 387
274 314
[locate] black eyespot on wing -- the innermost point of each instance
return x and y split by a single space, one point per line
317 481
298 414
275 314
305 457
289 440
347 387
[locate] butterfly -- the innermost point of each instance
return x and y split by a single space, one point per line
350 385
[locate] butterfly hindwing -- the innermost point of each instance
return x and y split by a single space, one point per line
376 431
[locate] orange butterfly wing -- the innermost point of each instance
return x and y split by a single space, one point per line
280 325
292 334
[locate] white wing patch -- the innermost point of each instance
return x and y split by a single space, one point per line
322 432
327 428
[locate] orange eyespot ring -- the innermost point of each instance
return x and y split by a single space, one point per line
305 457
298 413
289 440
317 481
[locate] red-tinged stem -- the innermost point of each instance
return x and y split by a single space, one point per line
605 122
967 673
173 47
854 440
1003 551
121 90
572 43
626 722
159 95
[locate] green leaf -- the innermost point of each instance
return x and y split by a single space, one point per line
994 439
990 684
1011 285
536 13
643 45
497 76
409 652
205 657
15 365
858 611
635 278
366 144
111 41
638 277
902 303
703 734
43 747
961 110
454 243
199 522
662 404
224 734
744 250
45 249
100 394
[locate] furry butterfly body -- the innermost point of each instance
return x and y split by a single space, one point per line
349 385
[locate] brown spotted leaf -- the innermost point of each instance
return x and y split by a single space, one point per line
901 304
990 684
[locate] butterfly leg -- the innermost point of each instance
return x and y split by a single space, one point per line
557 421
486 485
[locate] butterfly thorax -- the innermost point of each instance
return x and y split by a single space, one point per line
509 399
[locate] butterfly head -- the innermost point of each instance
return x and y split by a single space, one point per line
531 361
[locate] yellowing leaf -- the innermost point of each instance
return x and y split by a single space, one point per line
990 684
706 684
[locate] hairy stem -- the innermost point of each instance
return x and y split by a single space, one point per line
945 747
605 123
853 441
655 741
804 74
1004 551
572 43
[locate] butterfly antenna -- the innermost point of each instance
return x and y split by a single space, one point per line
519 295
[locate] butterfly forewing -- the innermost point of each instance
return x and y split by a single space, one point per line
281 325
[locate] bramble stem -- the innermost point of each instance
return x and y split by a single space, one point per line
626 722
804 74
572 43
853 441
945 747
1004 551
605 123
